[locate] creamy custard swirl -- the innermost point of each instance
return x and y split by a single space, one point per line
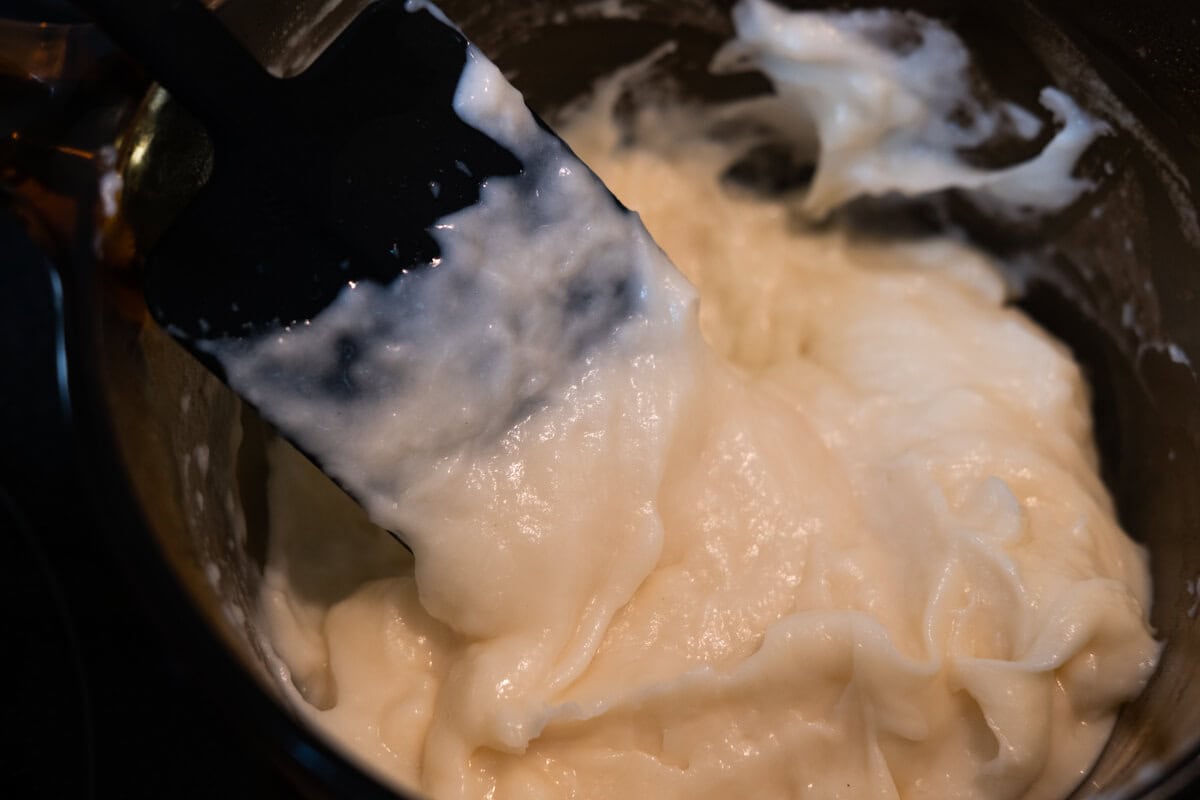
834 529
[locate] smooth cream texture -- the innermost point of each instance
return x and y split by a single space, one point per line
850 542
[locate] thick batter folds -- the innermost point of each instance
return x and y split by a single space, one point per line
834 530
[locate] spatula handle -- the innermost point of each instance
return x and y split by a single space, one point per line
192 54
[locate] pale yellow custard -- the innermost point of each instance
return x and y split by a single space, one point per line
834 531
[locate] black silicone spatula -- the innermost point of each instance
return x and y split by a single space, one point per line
318 179
307 272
